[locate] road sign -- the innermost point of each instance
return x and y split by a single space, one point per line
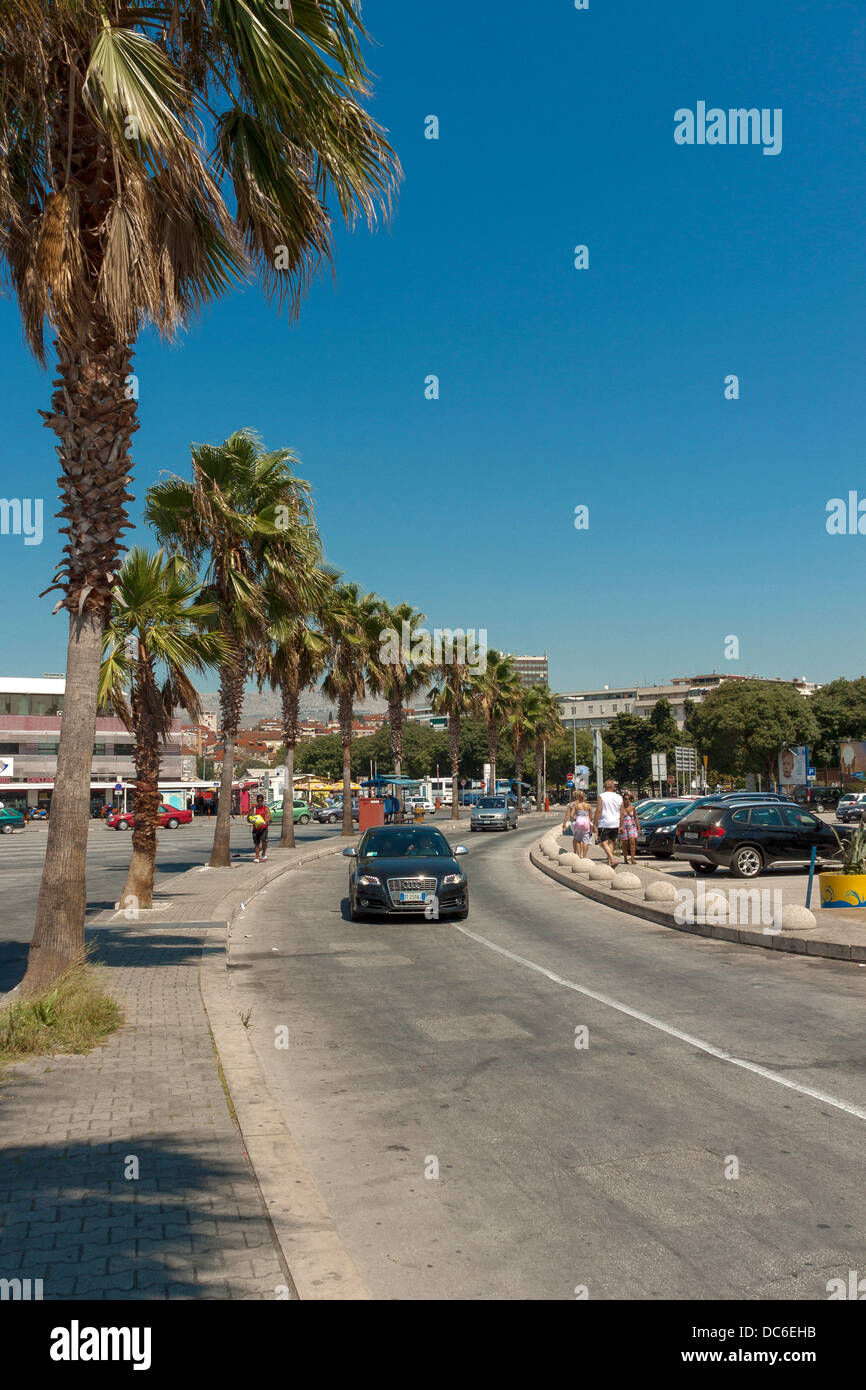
812 771
569 779
439 722
659 766
6 767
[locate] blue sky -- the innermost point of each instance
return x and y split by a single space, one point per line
558 387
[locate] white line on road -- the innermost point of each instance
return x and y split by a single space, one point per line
672 1032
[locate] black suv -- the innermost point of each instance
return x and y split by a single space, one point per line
749 839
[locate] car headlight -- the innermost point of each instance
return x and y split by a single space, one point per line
453 878
368 881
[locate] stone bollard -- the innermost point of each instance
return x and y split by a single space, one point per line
603 873
581 866
626 882
795 918
660 893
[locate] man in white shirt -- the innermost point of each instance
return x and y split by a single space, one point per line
607 817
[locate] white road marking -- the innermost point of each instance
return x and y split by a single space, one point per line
672 1032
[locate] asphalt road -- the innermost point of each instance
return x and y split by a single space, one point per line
706 1143
22 855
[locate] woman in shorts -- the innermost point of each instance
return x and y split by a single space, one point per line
628 829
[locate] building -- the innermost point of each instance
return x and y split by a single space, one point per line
594 709
532 670
31 713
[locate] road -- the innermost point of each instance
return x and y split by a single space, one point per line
706 1143
22 855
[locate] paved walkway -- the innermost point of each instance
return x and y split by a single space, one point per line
122 1173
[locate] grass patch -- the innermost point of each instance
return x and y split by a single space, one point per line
74 1015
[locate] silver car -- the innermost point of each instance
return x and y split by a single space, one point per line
493 813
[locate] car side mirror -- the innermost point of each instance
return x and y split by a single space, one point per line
460 849
349 852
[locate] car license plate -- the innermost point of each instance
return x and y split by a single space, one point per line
413 897
691 835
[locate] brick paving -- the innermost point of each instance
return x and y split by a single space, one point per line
192 1224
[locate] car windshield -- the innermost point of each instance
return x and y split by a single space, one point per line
401 842
492 803
670 808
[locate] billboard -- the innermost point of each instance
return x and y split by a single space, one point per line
852 760
793 766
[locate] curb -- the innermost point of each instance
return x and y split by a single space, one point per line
770 941
319 1263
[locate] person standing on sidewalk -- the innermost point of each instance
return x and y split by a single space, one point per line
580 815
259 814
607 811
628 829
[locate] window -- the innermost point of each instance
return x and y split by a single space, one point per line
801 820
9 747
100 749
766 816
47 747
46 704
741 817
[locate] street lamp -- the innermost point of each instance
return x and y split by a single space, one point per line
574 705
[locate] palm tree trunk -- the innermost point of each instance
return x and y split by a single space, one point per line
221 854
231 705
287 834
58 936
395 716
346 739
454 743
138 889
539 791
291 700
518 772
492 749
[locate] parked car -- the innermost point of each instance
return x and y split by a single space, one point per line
10 820
750 796
169 817
400 869
655 828
423 801
302 810
851 806
329 815
494 813
750 838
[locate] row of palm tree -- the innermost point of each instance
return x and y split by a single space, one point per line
154 157
245 589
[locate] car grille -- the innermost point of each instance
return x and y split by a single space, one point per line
411 885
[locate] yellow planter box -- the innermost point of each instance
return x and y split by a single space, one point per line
843 890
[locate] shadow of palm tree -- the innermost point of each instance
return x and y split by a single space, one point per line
88 1228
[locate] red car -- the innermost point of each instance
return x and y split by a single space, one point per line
170 817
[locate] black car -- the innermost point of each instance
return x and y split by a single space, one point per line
401 869
749 838
655 830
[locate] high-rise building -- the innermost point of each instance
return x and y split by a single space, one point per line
532 670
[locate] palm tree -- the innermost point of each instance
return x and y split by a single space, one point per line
292 661
400 677
352 627
154 640
114 211
249 519
450 695
520 727
494 694
543 724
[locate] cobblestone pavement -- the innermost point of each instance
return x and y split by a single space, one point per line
122 1174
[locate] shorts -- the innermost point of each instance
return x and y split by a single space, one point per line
581 831
608 832
260 836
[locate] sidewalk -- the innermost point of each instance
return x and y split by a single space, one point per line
836 934
124 1174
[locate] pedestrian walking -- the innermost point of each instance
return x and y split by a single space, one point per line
628 829
606 823
260 819
579 815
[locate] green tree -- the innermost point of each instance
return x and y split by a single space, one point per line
494 693
248 519
114 213
742 726
840 712
451 694
632 741
154 640
398 678
351 625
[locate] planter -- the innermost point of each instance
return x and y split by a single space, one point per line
843 890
